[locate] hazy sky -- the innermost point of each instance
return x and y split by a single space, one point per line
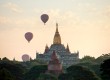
83 24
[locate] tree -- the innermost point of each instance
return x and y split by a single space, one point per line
5 59
43 76
35 71
87 59
93 66
16 70
105 68
6 75
64 76
103 57
32 63
81 73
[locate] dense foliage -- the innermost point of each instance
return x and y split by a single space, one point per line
47 77
16 69
35 72
6 75
105 68
78 73
89 68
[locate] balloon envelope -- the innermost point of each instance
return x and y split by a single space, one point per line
28 36
25 57
44 18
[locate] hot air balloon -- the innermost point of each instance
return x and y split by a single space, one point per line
28 36
44 18
25 57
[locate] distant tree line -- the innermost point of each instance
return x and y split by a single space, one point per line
89 68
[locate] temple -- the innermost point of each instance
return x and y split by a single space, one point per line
54 65
63 53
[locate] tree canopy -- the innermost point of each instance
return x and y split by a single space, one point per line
44 76
105 68
103 57
16 70
35 71
6 75
81 73
87 59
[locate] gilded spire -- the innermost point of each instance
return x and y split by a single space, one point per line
56 27
57 38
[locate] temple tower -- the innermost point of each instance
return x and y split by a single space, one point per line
54 65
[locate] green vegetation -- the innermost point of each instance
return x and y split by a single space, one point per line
16 69
89 68
46 77
79 72
6 75
35 72
105 69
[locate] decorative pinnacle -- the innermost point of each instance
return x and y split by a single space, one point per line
56 27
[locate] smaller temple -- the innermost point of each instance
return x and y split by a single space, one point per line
54 65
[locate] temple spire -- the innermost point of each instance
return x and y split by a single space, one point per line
67 48
46 48
57 38
56 27
54 55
